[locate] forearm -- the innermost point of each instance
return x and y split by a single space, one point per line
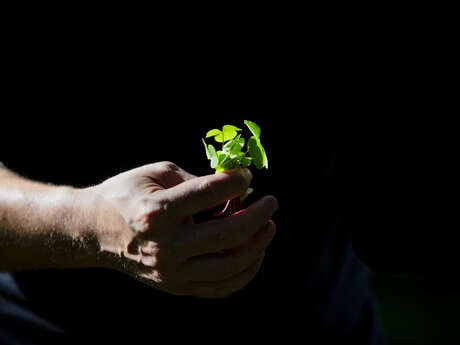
43 226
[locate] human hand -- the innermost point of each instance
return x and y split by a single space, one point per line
145 228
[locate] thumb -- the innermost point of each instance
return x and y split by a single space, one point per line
166 173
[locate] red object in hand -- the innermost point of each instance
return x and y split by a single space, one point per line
231 206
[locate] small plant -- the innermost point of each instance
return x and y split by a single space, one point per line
235 152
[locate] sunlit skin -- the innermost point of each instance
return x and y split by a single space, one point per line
139 222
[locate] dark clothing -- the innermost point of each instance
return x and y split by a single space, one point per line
19 323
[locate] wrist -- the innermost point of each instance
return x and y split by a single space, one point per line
103 231
75 210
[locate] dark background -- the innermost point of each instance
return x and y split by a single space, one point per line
391 103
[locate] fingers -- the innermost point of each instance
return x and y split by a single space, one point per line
215 289
215 275
205 192
227 233
225 287
217 267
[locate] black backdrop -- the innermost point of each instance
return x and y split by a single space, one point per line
79 121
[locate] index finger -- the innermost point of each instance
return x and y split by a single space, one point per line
230 232
205 192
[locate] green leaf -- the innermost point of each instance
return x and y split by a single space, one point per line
208 154
235 145
264 155
238 155
257 153
230 132
222 157
213 132
212 156
253 127
245 161
228 146
233 153
217 134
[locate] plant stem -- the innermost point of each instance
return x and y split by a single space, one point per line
231 206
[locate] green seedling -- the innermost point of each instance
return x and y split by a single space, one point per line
235 152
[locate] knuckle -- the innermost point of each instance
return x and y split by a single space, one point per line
168 166
161 205
163 275
158 277
145 210
149 261
153 276
153 207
